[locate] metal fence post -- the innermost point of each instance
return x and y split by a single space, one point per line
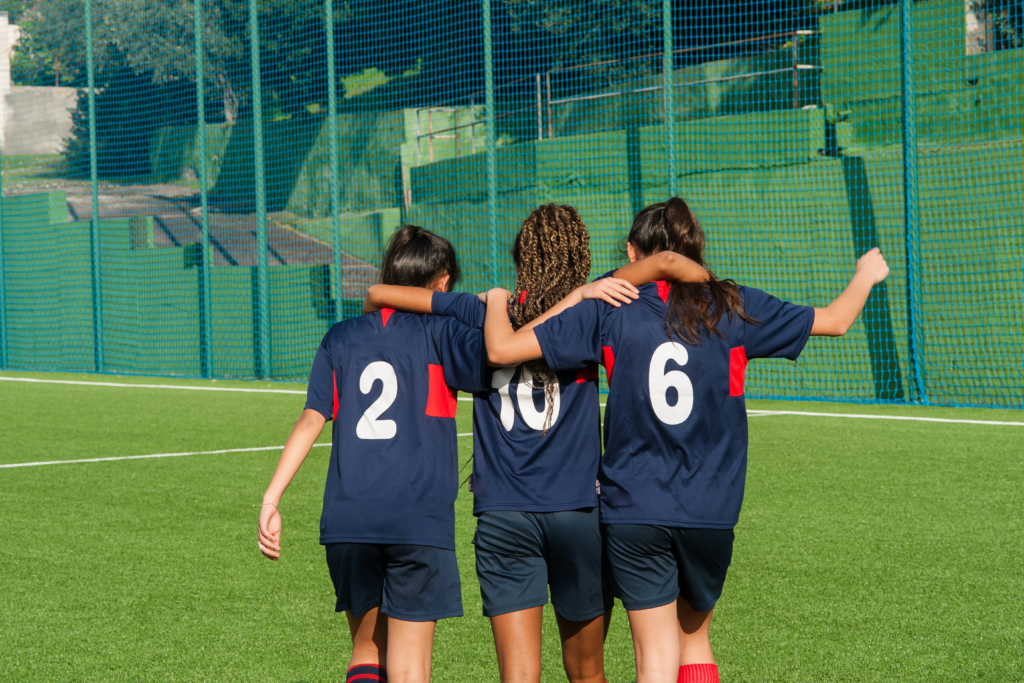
910 197
332 147
668 78
492 149
205 282
262 285
94 220
3 291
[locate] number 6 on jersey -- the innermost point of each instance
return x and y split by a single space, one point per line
660 382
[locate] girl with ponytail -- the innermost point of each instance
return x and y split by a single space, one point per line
675 427
536 448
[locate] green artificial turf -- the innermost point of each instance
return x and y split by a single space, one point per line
868 550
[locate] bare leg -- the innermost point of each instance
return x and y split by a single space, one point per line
656 642
517 640
410 648
694 639
369 637
583 647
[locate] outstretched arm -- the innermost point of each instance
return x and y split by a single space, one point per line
505 346
304 434
836 318
409 299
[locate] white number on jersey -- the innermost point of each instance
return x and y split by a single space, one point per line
369 427
524 392
660 382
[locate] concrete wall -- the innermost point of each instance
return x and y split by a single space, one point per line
37 119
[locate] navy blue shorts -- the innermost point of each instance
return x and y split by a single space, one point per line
651 566
408 582
519 554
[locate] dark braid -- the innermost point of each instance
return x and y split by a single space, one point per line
552 257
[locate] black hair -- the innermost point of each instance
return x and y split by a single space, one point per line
693 307
416 257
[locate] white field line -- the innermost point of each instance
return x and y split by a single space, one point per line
152 386
752 413
162 386
765 413
162 455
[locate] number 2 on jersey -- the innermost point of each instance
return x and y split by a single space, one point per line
660 382
369 427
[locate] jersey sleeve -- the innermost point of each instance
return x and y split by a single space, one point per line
321 393
466 308
782 329
463 354
572 339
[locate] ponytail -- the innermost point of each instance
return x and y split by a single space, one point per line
694 308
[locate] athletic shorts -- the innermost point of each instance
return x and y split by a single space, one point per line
651 566
519 554
408 582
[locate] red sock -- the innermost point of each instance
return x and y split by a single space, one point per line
698 673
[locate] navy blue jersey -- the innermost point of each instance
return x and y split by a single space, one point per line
388 381
675 422
516 466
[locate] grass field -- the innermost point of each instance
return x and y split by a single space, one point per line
868 550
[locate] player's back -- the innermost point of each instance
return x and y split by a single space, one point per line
675 421
532 451
390 380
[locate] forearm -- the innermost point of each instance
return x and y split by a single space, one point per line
411 299
565 304
835 319
665 265
505 346
304 434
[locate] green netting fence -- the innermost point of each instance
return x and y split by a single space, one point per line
201 188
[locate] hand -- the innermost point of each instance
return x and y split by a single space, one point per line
873 265
270 532
610 289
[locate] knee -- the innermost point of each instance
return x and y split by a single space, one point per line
584 666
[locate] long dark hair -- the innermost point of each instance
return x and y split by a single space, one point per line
552 258
418 258
693 308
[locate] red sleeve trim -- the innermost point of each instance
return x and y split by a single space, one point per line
385 313
737 370
334 376
608 360
587 374
441 401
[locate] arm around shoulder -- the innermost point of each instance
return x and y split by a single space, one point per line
665 265
505 346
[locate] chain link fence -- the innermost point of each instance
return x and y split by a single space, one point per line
202 188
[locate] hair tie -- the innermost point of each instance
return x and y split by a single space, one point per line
522 298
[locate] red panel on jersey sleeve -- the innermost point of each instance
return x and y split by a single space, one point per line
737 370
441 401
664 289
587 374
608 361
334 376
385 313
